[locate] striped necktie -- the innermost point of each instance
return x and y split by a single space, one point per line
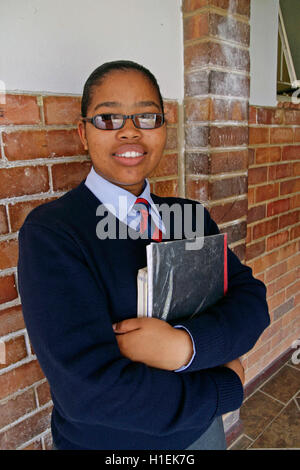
147 224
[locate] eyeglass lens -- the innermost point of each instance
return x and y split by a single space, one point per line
115 121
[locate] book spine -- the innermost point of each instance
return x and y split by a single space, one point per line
225 264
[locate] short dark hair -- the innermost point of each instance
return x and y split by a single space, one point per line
103 70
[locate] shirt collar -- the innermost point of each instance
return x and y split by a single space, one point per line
112 195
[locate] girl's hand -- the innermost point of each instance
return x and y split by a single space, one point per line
238 368
154 342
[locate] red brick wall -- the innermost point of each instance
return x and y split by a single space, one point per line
41 159
273 225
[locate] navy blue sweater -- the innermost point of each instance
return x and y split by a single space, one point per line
73 286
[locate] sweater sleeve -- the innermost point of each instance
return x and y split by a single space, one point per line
231 327
66 312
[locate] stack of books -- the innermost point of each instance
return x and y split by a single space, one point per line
180 281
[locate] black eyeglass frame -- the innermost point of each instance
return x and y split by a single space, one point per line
125 117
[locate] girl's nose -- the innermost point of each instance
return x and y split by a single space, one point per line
129 131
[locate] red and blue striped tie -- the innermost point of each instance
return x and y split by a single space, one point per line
147 224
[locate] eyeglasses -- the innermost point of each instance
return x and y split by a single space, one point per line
112 122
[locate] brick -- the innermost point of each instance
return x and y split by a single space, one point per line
283 309
252 115
235 231
196 26
11 320
43 393
61 109
227 187
19 378
251 196
258 135
270 116
281 135
257 175
276 271
23 180
168 166
239 251
24 145
264 262
267 155
267 191
228 110
295 168
290 186
276 172
166 188
276 300
197 83
277 240
197 110
197 55
215 54
296 134
19 211
191 5
249 235
255 249
285 280
228 136
241 7
171 112
292 152
172 142
256 213
292 117
228 84
16 407
277 207
295 232
3 221
15 350
289 219
197 163
222 162
20 109
8 289
225 212
25 430
68 175
225 55
8 254
293 289
295 201
265 228
197 189
196 136
229 29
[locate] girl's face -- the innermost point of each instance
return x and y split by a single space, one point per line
124 92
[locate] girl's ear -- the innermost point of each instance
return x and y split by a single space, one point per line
82 133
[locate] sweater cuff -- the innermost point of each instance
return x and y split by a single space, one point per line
230 389
209 342
194 351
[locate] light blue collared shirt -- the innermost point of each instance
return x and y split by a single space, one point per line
121 202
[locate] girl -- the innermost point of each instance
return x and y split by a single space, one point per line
117 381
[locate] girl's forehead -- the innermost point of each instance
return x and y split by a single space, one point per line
124 86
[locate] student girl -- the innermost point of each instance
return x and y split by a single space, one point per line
118 381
